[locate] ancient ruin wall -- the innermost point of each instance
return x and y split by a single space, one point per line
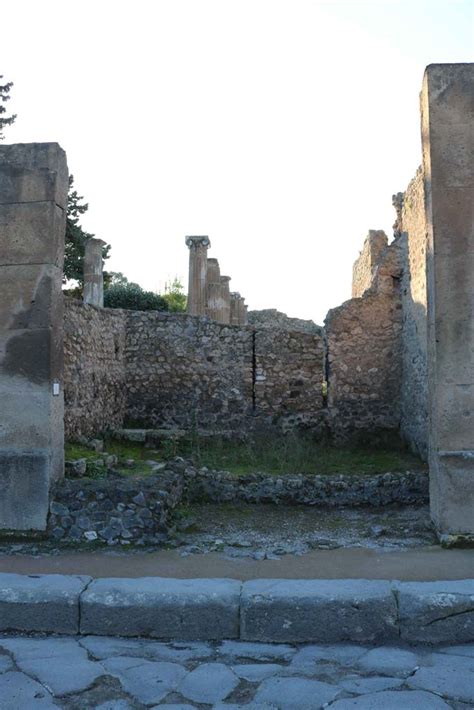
363 270
187 371
289 374
364 356
94 369
414 395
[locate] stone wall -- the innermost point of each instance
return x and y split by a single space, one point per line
414 394
187 371
289 374
364 355
272 318
362 272
94 369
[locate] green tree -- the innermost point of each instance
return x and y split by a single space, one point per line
132 297
4 97
76 238
175 296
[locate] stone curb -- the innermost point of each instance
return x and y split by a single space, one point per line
269 610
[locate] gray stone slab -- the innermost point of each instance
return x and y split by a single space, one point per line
325 611
114 705
363 686
105 647
32 233
256 651
256 672
437 612
466 649
208 683
17 691
393 700
389 661
147 681
308 659
445 681
295 693
5 664
162 608
33 172
174 706
48 602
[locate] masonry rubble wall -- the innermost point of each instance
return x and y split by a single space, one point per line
362 272
187 371
364 354
414 391
94 369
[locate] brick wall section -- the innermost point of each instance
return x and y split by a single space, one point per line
94 369
414 396
289 372
363 270
364 355
187 371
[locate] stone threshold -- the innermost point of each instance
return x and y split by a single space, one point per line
264 610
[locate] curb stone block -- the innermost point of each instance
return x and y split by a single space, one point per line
44 602
436 612
322 611
162 608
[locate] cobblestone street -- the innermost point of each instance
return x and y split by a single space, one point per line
131 674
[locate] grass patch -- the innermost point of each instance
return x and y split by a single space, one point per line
285 454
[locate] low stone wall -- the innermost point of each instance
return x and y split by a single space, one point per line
363 270
410 487
115 510
94 369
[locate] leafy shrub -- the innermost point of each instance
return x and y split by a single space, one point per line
132 297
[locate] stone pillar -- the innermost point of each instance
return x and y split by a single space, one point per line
197 288
225 294
93 277
33 204
214 290
447 106
234 308
242 311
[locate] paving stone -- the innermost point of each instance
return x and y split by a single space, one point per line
436 612
18 692
389 661
105 647
256 672
466 649
47 602
5 664
31 648
445 681
309 658
114 705
162 608
392 700
62 675
370 685
323 611
256 651
247 706
446 661
209 683
174 706
297 693
147 681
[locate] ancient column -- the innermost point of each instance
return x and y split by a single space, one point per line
225 294
214 290
93 293
242 311
197 288
447 106
234 308
33 204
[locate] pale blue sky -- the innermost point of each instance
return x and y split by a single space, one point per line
280 128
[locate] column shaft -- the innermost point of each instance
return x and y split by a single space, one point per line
93 273
197 289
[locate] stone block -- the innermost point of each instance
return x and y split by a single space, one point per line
436 612
33 172
32 233
323 611
162 608
31 296
24 489
48 603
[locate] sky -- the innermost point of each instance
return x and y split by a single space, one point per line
279 128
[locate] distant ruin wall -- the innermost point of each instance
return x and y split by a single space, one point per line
94 369
363 270
289 374
187 371
414 391
364 347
